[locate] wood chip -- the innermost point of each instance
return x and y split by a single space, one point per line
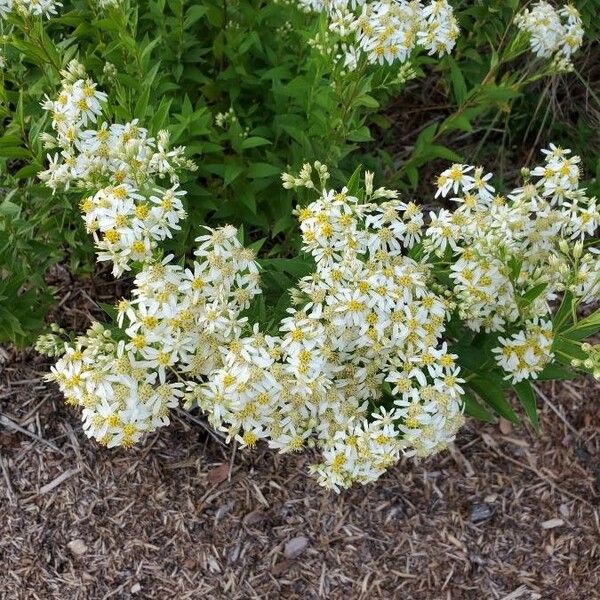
280 567
295 547
77 547
254 517
552 523
453 540
480 512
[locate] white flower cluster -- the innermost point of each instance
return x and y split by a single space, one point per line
177 318
364 322
525 354
509 255
553 33
40 8
358 366
389 30
130 211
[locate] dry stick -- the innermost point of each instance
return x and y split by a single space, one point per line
9 423
558 413
232 461
9 488
58 480
213 434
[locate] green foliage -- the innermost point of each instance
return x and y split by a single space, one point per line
181 64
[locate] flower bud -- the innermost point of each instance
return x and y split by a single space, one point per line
369 183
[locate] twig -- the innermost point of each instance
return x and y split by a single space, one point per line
58 480
9 423
232 461
9 488
211 432
520 591
558 413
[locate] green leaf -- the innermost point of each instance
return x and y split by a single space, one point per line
459 86
460 122
260 170
493 394
193 14
527 397
568 348
366 100
254 142
530 295
362 134
232 172
515 265
564 312
110 310
14 152
554 371
476 410
354 181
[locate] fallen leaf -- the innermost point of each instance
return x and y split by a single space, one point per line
218 474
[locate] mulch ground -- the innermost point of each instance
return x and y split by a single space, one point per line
507 514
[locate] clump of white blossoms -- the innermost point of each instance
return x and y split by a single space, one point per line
510 255
389 30
553 33
130 210
362 365
172 328
42 8
365 338
357 367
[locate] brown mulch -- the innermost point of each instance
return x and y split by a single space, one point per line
506 515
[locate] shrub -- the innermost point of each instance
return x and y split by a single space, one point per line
367 333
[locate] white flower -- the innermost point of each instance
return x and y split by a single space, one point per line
552 33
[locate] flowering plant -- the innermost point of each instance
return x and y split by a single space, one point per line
389 30
401 322
249 103
349 320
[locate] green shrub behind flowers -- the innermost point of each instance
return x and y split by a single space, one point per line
245 86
